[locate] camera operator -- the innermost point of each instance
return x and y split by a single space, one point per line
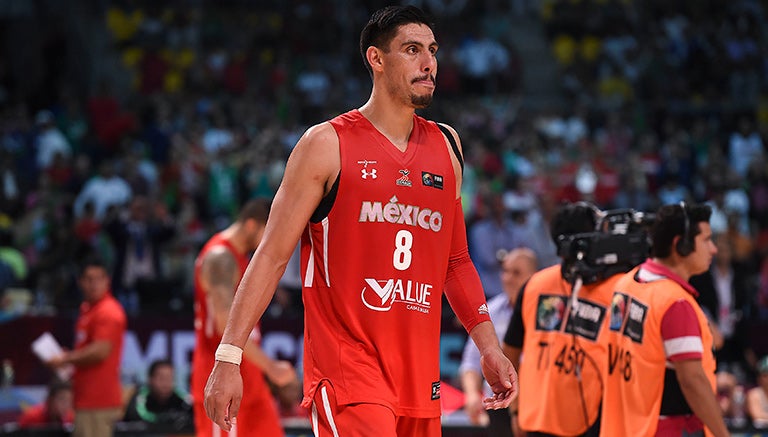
561 317
661 368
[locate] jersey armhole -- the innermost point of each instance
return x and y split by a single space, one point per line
326 203
454 146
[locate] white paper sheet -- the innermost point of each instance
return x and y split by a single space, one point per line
46 348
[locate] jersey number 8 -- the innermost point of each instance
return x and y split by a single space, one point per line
401 259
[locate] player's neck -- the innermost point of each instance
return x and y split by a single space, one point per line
394 121
235 234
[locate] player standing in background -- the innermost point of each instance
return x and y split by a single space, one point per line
218 269
374 196
661 365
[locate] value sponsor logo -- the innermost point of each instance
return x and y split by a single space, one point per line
384 294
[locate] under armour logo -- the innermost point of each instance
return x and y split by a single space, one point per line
371 173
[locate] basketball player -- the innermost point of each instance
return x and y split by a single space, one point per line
374 196
218 269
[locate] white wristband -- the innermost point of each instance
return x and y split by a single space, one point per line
229 353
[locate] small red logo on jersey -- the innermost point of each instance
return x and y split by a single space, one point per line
403 180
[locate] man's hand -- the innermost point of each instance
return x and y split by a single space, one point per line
501 376
223 394
281 373
473 407
58 361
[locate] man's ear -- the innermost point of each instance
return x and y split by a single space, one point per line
374 56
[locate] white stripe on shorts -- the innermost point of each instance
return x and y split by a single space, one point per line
314 420
327 407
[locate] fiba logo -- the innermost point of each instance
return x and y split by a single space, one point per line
371 173
381 295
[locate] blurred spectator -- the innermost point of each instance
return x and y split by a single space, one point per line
314 84
218 138
489 240
757 180
60 171
589 178
152 71
725 382
73 123
159 404
725 296
745 146
55 412
757 397
109 121
104 190
482 60
50 141
138 233
672 190
87 227
139 173
523 209
10 186
13 266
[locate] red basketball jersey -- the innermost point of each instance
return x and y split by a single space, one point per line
374 268
258 415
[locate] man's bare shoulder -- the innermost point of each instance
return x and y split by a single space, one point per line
316 156
320 137
218 256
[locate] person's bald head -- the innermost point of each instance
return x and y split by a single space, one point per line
516 267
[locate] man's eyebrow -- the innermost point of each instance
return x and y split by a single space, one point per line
418 43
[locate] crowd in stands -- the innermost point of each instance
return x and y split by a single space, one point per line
665 101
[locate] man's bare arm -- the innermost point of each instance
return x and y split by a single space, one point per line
464 291
219 275
310 172
700 396
92 353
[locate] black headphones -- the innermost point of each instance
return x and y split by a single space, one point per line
685 244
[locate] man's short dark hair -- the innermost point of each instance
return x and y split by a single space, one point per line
670 223
383 26
92 260
573 218
157 364
255 209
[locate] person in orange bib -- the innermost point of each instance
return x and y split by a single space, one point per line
555 335
661 367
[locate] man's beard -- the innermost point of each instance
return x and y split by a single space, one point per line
422 101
